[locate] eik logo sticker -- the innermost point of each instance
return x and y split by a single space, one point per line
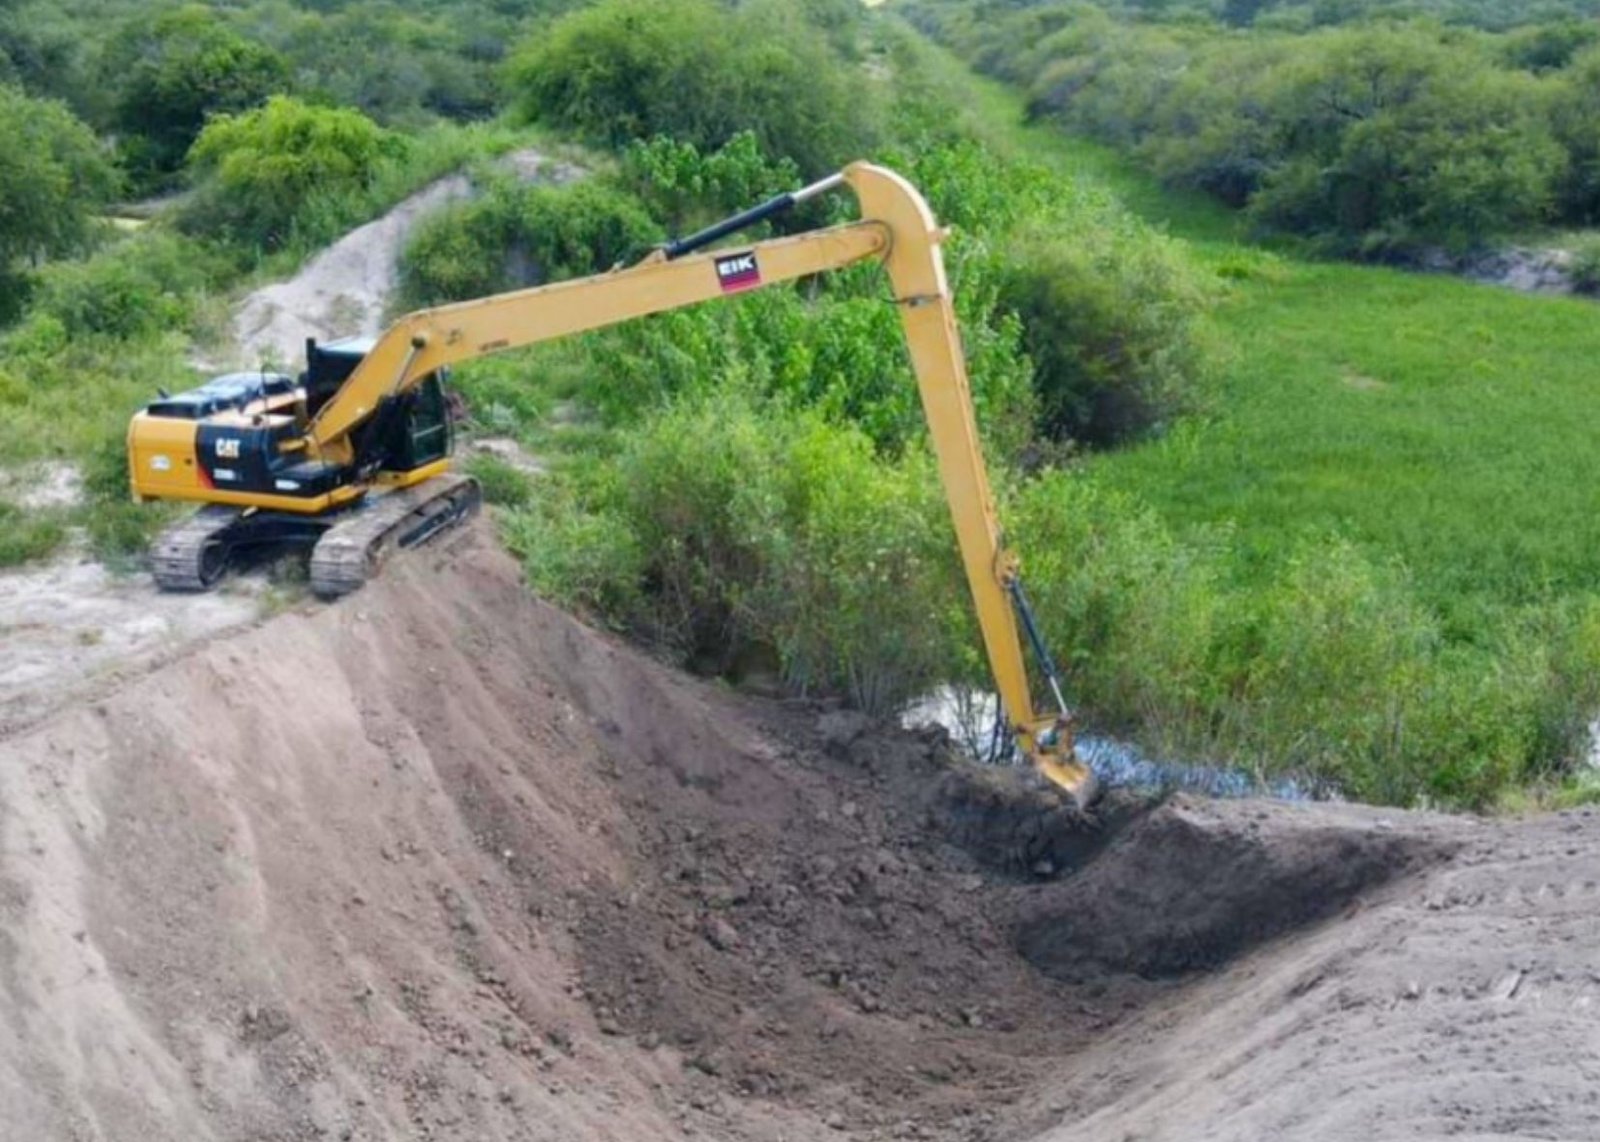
738 271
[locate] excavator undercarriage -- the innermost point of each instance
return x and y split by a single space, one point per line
347 546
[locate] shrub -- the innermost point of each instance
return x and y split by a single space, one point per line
175 71
1403 138
1584 268
1375 139
682 186
577 556
1328 666
729 523
503 483
841 353
700 72
1548 47
515 236
145 285
261 171
972 189
1111 318
1575 116
865 597
120 530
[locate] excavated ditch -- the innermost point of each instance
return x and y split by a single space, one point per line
441 862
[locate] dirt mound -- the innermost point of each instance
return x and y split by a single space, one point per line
440 862
1459 1003
1194 883
344 291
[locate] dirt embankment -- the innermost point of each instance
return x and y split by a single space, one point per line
440 862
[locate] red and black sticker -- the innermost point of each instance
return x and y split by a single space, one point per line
738 271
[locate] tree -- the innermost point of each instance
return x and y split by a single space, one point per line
39 51
1575 113
1394 136
701 73
187 67
53 175
260 170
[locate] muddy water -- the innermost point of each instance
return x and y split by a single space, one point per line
969 718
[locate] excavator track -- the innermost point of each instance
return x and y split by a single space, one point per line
353 549
194 555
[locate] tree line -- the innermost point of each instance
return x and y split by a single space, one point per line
1371 135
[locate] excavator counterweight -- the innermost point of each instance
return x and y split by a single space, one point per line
354 459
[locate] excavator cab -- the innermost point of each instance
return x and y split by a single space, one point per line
415 433
415 429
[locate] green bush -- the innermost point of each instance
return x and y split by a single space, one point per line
728 523
504 484
1403 138
1575 117
174 72
119 530
841 353
515 236
1329 667
700 72
1111 318
866 597
1376 139
1584 269
263 171
142 286
682 186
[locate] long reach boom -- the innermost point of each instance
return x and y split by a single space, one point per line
325 455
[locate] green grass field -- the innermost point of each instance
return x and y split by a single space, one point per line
1446 423
1442 422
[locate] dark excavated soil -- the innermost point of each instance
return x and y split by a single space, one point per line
440 862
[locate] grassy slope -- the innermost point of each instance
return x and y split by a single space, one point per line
1432 419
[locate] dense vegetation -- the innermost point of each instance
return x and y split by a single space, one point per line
1268 509
1378 130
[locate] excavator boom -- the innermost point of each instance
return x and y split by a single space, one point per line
331 455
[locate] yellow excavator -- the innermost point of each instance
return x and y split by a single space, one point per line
352 458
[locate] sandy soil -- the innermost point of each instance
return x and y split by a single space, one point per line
42 486
344 291
440 862
71 627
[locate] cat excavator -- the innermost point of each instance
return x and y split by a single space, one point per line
352 458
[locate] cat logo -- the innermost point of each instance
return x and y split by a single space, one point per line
227 447
738 271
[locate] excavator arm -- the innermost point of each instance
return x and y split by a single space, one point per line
896 227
